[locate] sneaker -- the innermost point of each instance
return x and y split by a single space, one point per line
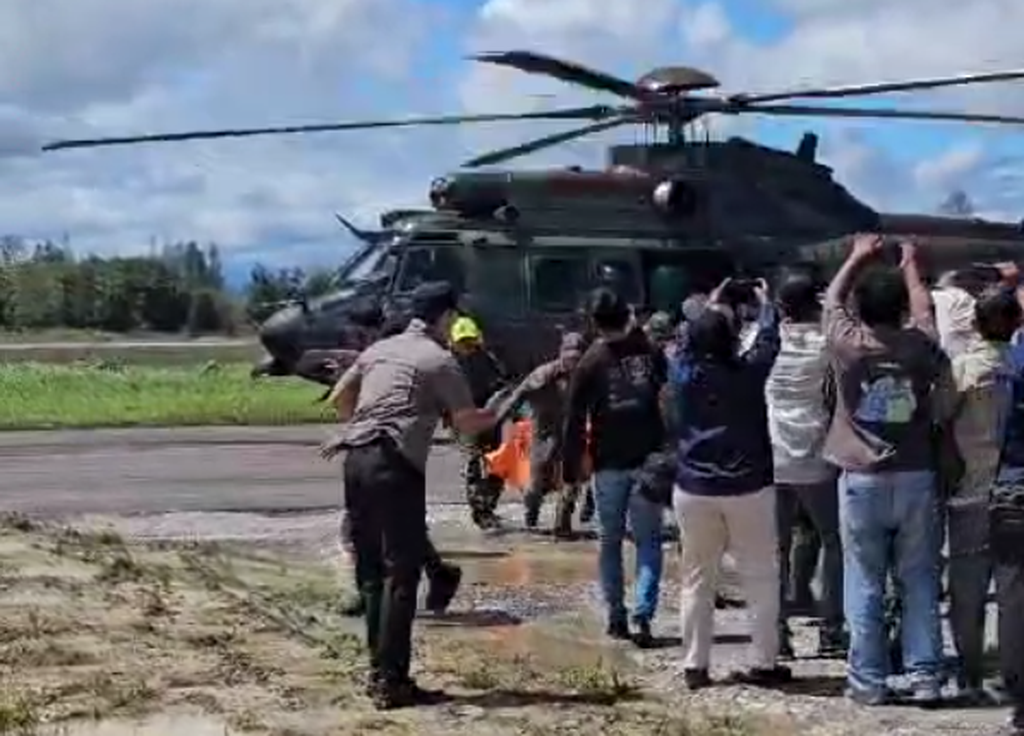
696 679
643 637
868 698
443 588
926 696
763 676
619 630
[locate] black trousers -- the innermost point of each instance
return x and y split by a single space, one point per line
820 502
433 565
385 498
1010 597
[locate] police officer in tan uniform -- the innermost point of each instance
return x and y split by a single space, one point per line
393 396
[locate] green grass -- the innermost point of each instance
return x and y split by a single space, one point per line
43 396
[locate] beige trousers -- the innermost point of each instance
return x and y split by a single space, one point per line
709 526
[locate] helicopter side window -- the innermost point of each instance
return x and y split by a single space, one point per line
558 283
422 265
621 275
497 279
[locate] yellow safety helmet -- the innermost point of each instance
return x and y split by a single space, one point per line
464 328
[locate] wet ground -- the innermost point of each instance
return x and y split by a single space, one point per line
523 595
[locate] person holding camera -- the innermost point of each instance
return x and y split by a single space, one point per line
894 387
800 395
724 495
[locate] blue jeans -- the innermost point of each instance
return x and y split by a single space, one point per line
616 500
889 522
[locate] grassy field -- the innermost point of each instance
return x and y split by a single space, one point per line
112 394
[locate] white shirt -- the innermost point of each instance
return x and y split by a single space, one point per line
976 426
797 415
954 320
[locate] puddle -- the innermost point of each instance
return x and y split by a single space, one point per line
573 643
544 566
163 725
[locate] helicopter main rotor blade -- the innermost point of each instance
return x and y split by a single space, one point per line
858 90
590 112
566 71
506 154
867 112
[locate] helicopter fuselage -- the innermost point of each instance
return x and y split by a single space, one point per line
524 248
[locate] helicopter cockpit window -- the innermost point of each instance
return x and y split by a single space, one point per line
422 265
559 283
373 262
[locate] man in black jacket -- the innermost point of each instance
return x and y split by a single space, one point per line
617 387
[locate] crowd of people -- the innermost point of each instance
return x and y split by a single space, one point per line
881 419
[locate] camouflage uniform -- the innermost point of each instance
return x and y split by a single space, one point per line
545 391
485 376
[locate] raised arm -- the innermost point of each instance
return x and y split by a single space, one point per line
766 345
922 308
838 323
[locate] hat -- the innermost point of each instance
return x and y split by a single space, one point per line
659 326
693 306
464 328
572 344
431 300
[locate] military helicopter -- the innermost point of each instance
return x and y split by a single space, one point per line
665 218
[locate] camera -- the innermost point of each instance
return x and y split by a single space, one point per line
892 252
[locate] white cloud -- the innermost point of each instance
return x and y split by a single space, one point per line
89 67
94 67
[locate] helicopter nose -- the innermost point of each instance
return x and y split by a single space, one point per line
281 334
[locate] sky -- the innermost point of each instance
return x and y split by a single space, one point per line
84 68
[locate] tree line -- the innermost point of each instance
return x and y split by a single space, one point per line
177 288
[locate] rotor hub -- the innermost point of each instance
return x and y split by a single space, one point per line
675 81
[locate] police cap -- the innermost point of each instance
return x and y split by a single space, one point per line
432 299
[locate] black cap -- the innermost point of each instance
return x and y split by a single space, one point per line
431 300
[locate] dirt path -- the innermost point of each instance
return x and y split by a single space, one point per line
106 637
102 637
